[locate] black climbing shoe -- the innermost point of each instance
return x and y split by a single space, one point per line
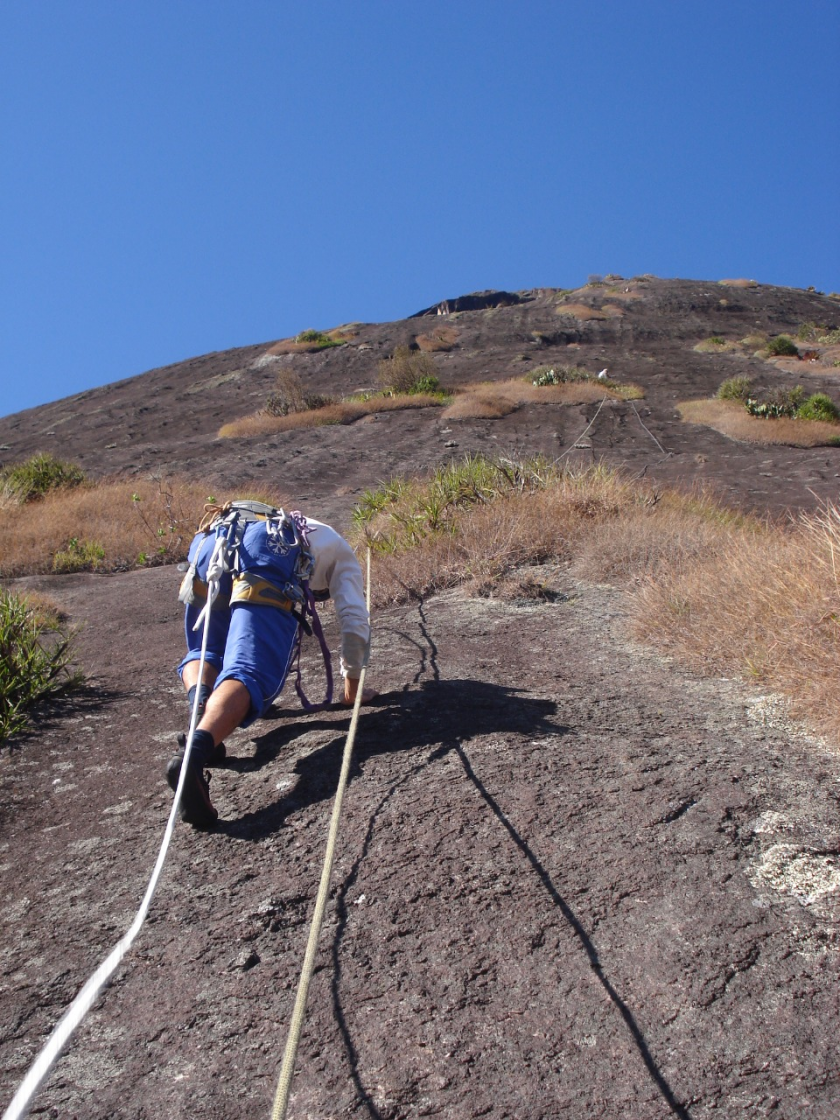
216 757
196 807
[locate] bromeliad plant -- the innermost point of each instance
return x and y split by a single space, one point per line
400 513
35 659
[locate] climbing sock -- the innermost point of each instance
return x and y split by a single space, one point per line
204 691
219 752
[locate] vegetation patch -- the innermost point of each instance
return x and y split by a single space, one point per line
112 525
584 312
491 400
813 332
311 341
35 659
37 476
754 342
716 345
731 418
340 412
735 389
409 372
543 376
409 379
441 338
819 406
782 346
289 395
481 403
728 593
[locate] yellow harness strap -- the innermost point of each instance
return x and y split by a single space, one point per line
250 588
199 590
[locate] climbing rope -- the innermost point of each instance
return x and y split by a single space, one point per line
583 433
88 995
284 1084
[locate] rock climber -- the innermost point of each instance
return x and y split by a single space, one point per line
253 627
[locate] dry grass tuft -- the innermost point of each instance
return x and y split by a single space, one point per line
717 345
110 526
264 424
493 399
731 419
441 338
480 520
310 342
480 405
399 401
729 594
581 311
764 605
342 412
738 283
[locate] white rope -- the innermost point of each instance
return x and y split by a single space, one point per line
86 998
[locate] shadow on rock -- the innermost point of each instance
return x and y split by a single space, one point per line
523 717
49 714
441 713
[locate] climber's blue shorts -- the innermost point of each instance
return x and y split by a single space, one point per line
248 642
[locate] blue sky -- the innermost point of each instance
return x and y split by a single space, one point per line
179 177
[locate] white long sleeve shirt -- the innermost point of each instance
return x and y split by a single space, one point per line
337 571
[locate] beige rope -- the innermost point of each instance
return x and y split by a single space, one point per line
583 433
284 1084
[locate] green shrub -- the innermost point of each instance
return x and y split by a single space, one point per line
35 657
734 389
401 513
428 384
830 338
407 371
809 332
819 406
79 556
782 346
312 337
755 341
32 479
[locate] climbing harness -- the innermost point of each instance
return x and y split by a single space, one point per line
284 1084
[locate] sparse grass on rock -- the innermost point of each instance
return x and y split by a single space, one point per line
726 592
716 345
339 412
113 525
730 418
763 604
491 400
311 341
439 339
